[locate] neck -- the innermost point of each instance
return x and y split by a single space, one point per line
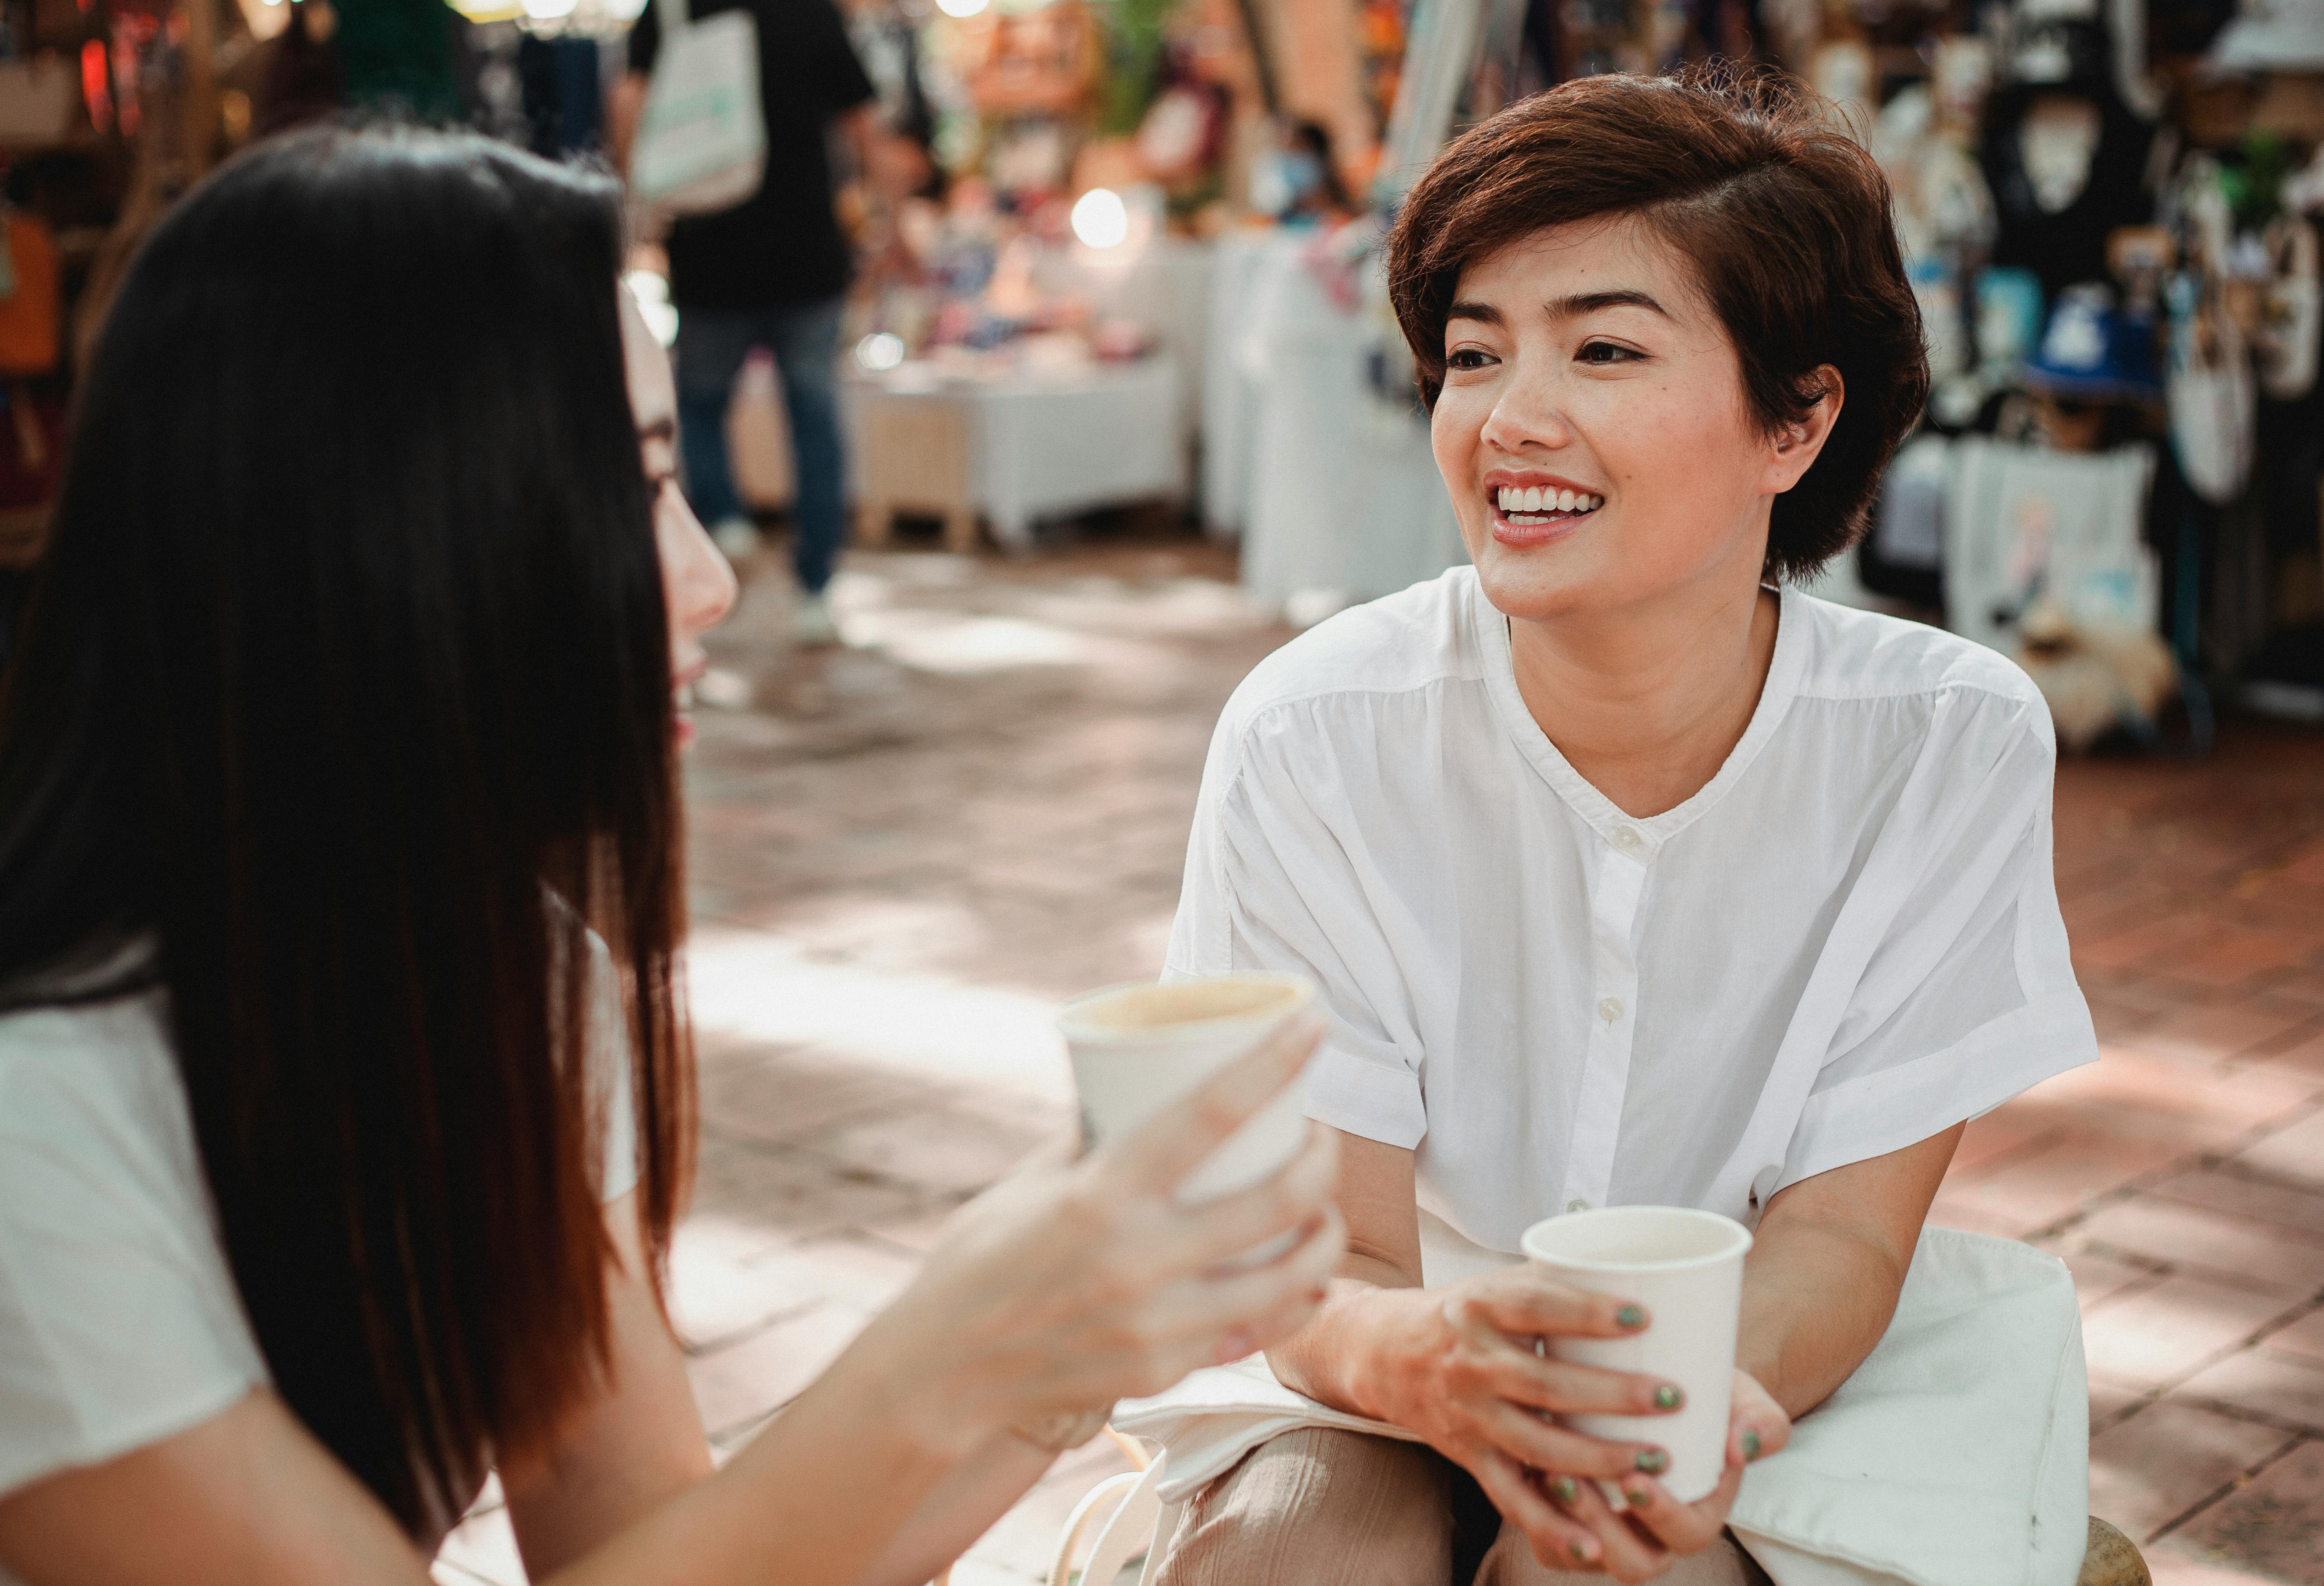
1647 703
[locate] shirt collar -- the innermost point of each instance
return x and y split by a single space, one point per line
1784 670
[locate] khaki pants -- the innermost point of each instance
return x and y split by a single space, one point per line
1338 1508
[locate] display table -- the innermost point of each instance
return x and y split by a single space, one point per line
1016 447
1334 491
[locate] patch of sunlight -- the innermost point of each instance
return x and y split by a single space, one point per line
759 987
944 642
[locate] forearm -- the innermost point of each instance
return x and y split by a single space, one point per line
1817 1295
1323 1359
962 1508
813 1500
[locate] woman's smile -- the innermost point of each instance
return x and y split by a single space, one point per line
1530 508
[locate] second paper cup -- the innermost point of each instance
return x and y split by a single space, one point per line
1686 1268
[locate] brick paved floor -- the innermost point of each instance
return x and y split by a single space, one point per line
904 854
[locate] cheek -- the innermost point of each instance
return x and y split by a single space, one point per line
1642 427
1455 431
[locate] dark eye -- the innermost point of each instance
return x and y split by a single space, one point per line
1468 357
1603 352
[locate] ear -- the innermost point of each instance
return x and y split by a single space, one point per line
1798 444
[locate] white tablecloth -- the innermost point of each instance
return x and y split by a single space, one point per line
1334 491
1044 444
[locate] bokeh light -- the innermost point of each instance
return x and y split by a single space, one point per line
1101 219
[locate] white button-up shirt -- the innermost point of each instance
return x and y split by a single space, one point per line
1847 942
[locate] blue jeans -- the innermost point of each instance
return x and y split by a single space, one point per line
805 339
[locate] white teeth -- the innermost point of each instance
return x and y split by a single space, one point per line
1535 498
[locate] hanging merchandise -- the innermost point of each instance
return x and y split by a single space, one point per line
2095 352
2291 314
38 97
30 300
2025 525
2208 390
2064 154
2271 35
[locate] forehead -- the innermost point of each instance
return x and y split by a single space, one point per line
1604 254
653 396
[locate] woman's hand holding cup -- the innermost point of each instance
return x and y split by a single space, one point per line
1072 1285
1645 1530
1459 1366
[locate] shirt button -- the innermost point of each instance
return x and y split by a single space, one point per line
1610 1010
1628 839
1577 1204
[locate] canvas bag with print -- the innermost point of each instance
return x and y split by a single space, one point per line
702 141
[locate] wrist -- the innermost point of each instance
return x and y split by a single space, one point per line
1376 1326
920 1390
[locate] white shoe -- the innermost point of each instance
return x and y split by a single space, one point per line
812 625
737 536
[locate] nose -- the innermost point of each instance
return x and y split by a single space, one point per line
704 587
1526 416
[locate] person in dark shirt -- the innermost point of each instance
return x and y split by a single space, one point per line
772 271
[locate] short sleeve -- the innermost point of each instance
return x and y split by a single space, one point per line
1968 996
645 39
119 1322
1276 880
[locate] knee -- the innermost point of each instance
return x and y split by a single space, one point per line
1317 1506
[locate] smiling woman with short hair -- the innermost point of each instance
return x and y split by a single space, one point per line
1631 876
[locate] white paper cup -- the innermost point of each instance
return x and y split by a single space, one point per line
1686 1268
1136 1048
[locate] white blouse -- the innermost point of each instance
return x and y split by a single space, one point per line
1847 942
120 1322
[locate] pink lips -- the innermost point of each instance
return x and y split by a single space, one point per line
681 719
1532 535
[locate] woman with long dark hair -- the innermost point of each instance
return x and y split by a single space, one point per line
345 1099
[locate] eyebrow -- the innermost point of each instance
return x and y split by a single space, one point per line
662 428
1563 307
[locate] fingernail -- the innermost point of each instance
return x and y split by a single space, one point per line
1578 1549
1631 1316
1639 1498
1234 1346
1653 1460
1669 1396
1564 1490
1750 1444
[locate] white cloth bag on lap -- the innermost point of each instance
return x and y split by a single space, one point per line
1956 1455
702 141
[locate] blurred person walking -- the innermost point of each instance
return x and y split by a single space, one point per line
772 271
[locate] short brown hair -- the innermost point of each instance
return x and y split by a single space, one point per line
1785 219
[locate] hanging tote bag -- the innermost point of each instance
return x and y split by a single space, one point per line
702 141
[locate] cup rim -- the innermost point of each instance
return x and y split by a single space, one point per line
1069 1021
1739 1242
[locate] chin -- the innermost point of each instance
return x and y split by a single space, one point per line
1537 583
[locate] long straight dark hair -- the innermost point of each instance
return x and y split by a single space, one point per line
345 688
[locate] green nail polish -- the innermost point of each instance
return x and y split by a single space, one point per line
1580 1550
1668 1396
1750 1445
1631 1316
1564 1490
1639 1498
1653 1460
